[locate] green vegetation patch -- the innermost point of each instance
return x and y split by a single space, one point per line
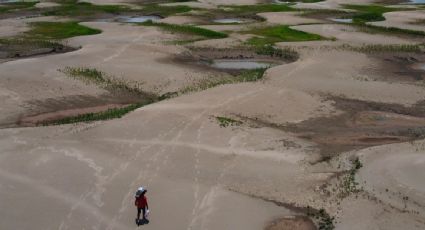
369 13
245 76
73 8
28 43
283 53
226 121
104 115
94 76
59 30
349 184
43 35
281 33
367 28
186 29
376 48
7 7
323 219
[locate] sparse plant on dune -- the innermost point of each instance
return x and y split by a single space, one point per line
374 48
94 76
226 121
104 115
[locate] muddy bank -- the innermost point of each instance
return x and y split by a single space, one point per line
41 112
215 59
12 49
362 124
399 67
292 223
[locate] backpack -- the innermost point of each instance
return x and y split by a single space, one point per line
138 193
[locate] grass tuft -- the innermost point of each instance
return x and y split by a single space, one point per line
8 7
225 121
245 76
59 30
104 115
283 53
323 219
94 76
73 8
186 29
370 13
368 28
376 48
281 33
349 184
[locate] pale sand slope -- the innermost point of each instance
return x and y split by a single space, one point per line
84 177
45 4
342 73
403 19
123 51
180 20
350 35
12 27
393 174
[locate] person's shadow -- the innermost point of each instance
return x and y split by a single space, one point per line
142 222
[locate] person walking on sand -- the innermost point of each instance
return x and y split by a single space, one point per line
141 203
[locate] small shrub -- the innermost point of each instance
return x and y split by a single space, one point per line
349 184
323 219
225 121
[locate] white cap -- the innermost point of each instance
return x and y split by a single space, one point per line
141 189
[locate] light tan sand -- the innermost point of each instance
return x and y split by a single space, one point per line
391 174
180 20
403 19
12 27
323 71
199 175
350 35
130 50
46 4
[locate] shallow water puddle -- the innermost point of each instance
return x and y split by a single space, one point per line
229 20
139 19
342 20
283 2
240 64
